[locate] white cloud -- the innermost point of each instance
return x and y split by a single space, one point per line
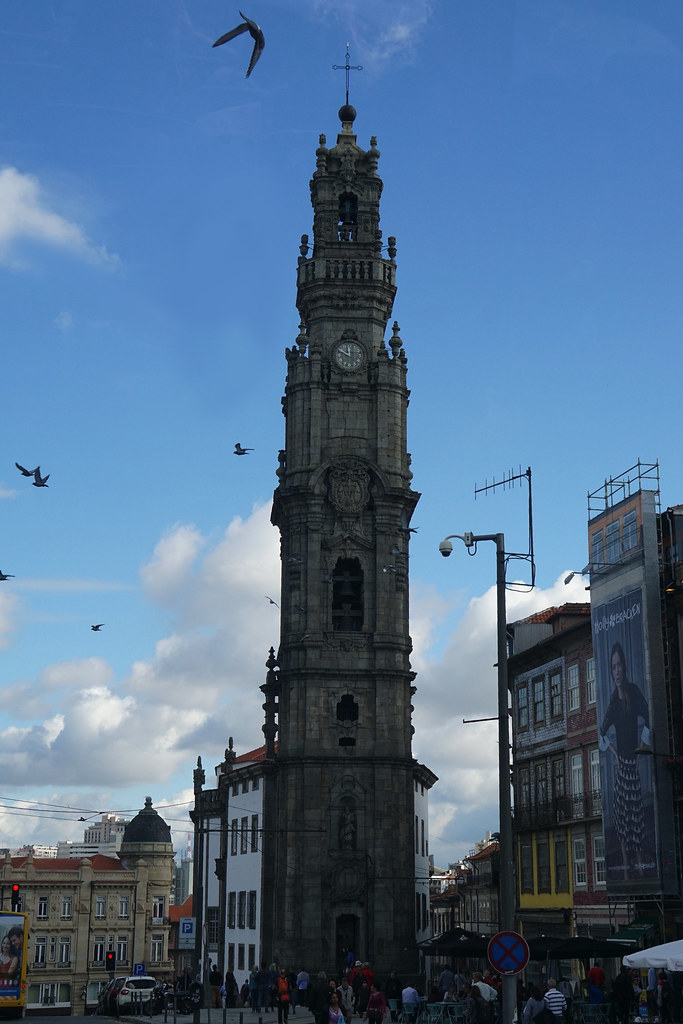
64 321
383 31
201 685
462 684
25 216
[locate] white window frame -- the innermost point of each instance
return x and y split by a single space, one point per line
124 908
156 949
122 949
579 858
40 951
573 692
98 949
100 908
599 868
64 950
591 692
43 908
67 908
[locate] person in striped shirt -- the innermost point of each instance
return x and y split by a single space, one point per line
555 1001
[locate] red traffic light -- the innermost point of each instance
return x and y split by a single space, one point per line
16 896
110 960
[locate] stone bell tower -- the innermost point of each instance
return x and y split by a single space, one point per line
338 841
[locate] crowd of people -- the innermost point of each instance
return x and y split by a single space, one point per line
356 991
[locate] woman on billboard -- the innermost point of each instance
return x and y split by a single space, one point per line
627 705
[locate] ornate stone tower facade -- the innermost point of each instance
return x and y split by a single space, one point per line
339 828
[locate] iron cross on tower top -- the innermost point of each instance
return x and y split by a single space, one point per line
347 67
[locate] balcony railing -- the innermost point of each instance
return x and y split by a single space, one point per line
555 812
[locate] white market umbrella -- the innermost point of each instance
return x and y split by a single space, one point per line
667 957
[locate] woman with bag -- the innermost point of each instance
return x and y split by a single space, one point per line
535 1004
377 1006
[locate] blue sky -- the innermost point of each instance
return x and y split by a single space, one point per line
151 206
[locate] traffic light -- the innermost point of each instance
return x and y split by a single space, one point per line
16 897
110 960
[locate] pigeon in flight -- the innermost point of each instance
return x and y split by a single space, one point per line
6 575
98 627
256 34
40 481
271 601
25 472
239 450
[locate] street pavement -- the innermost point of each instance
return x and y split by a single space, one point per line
236 1016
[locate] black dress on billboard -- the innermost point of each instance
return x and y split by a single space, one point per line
623 715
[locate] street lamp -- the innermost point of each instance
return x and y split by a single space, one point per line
507 869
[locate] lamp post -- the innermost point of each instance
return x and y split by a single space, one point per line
506 878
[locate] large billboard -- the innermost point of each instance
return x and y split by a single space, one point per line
631 690
624 718
12 958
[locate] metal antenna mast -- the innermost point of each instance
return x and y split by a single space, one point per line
509 480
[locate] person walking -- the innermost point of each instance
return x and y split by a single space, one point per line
282 996
555 1001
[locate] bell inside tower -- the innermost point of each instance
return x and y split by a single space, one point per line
347 595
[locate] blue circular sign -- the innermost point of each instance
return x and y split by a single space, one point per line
508 952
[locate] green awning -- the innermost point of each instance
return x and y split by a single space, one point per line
633 931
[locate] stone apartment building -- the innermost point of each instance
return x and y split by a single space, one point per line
79 909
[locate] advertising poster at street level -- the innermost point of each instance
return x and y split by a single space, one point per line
13 938
624 721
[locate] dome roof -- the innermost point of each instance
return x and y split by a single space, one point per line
147 827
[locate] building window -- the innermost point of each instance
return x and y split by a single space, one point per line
98 949
244 837
527 868
52 954
541 787
254 784
555 695
233 837
124 907
590 681
43 908
240 957
561 871
579 850
524 794
573 698
612 541
543 865
558 778
67 907
523 707
594 756
231 956
576 763
212 922
242 909
158 907
599 873
539 702
597 549
64 950
254 833
251 909
252 957
422 835
245 785
100 908
417 834
40 951
232 903
629 538
157 949
122 949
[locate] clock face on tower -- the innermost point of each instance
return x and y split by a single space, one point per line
348 355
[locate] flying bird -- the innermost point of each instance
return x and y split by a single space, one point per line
271 601
239 450
40 481
25 472
6 575
98 627
256 34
